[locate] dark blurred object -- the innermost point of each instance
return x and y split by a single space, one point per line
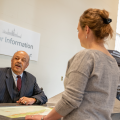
41 89
116 55
118 93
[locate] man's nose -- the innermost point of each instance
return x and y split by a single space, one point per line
19 60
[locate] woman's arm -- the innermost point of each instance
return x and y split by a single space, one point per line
53 115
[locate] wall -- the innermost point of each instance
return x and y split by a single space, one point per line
56 21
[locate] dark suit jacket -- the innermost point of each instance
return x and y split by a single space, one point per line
29 87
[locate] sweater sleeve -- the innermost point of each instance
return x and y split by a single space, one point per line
73 94
76 80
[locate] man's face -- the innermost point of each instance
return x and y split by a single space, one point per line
19 62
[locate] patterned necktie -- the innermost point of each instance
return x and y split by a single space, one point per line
19 83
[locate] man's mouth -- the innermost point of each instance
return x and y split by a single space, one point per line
18 65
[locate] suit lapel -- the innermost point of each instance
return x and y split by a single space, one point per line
9 82
24 85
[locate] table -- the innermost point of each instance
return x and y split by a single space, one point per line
52 101
10 104
16 104
116 110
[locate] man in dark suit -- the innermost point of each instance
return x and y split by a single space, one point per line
17 85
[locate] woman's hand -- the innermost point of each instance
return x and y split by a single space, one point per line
33 117
53 115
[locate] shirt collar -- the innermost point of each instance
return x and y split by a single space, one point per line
16 75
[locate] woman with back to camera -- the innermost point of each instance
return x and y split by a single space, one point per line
92 75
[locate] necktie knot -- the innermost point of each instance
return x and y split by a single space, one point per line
18 76
19 82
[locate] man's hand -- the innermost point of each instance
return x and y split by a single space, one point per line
26 101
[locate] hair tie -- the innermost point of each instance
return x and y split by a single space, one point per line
107 21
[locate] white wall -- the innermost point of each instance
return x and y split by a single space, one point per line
56 21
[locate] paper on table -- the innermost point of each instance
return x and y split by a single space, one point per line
116 108
22 111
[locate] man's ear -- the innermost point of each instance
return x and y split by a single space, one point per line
26 65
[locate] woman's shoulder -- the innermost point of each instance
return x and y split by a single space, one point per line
81 62
82 56
95 54
87 55
84 53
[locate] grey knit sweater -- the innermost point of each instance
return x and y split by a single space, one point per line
90 84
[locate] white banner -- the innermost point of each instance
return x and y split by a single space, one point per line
14 38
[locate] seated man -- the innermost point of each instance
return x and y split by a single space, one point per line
17 85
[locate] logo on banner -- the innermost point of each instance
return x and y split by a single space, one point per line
12 33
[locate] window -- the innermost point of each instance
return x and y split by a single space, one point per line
117 41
